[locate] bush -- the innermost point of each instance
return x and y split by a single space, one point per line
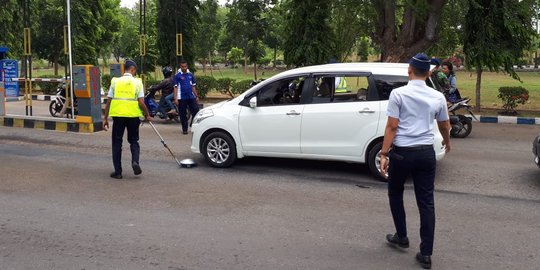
205 84
48 88
512 97
223 85
240 87
106 82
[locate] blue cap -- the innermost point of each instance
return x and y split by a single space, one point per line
435 61
421 62
129 63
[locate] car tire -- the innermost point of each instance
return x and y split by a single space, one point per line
374 161
219 149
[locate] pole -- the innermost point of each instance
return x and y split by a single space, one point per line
70 58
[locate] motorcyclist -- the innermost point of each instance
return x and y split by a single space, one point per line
166 86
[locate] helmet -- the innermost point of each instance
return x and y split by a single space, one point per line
167 72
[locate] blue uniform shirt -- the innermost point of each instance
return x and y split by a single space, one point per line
415 105
185 82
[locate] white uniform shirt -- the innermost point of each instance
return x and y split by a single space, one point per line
415 105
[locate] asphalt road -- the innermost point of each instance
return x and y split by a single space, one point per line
60 210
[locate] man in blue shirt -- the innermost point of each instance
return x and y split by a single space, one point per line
409 134
185 95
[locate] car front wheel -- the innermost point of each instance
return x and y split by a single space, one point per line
219 149
374 161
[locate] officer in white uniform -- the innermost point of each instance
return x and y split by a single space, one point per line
408 145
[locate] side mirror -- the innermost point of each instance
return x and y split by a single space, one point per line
253 102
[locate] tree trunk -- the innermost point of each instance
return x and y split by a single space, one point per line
536 58
204 66
55 64
478 84
255 71
245 64
415 34
210 64
275 57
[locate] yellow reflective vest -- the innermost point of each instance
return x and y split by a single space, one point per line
124 102
342 86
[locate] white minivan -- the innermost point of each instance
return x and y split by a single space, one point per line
325 112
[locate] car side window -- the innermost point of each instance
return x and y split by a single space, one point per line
340 88
282 92
386 83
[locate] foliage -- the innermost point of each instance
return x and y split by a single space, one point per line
208 30
350 20
223 85
309 39
450 29
205 84
512 97
106 81
48 88
239 87
11 19
48 42
126 42
496 34
175 17
235 55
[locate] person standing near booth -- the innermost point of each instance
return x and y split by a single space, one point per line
125 105
185 95
408 143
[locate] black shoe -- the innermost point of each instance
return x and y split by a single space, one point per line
116 175
184 132
395 240
424 261
136 168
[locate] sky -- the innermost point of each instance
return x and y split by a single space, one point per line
131 3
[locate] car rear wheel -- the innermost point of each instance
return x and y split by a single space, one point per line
219 149
374 161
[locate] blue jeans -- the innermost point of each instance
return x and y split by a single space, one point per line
182 111
120 124
166 103
421 165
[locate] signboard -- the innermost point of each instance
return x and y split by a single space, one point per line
9 69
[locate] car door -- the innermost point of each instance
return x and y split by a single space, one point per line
272 128
339 125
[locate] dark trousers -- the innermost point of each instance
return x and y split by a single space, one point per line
119 125
182 107
420 164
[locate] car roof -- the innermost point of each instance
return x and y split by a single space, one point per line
399 69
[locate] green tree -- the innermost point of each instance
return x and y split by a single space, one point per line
275 30
496 34
176 17
126 42
49 36
309 39
404 28
450 29
11 20
208 31
350 20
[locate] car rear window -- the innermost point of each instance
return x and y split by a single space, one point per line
386 83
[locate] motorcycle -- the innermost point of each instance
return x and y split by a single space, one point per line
153 108
461 124
59 101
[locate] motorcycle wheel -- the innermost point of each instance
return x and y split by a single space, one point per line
466 127
55 108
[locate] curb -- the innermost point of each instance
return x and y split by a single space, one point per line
508 120
66 125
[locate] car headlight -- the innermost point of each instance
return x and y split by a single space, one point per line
203 115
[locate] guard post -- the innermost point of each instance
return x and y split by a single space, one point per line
86 86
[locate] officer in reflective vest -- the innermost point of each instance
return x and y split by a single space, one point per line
125 105
341 85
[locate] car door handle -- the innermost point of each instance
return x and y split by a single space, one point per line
293 112
366 110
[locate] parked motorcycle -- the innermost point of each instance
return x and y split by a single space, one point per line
58 102
152 105
461 124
